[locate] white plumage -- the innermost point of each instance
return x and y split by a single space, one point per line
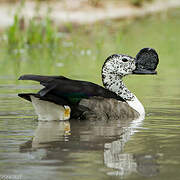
48 111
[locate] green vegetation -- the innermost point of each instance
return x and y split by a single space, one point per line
37 33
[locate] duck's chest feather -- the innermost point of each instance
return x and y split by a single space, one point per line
136 105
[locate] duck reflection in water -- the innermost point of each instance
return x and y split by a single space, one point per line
59 140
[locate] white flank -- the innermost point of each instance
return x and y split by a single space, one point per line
48 111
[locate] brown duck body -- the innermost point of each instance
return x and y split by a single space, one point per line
107 108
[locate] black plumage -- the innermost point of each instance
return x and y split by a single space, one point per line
68 89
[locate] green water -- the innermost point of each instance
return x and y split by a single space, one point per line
94 150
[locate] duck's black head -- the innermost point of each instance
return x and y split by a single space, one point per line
146 61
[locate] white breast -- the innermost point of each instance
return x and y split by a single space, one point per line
136 105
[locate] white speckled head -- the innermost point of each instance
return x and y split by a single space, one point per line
115 67
119 64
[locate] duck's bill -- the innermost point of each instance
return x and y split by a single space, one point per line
146 61
144 71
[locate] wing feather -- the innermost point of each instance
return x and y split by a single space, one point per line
61 86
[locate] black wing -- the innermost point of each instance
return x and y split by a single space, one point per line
70 90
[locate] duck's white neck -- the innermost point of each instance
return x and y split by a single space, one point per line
114 83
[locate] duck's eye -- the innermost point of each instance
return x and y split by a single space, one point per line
124 59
